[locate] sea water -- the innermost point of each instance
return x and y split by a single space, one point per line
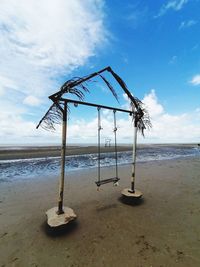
25 168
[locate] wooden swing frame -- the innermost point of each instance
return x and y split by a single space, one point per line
58 111
100 182
99 107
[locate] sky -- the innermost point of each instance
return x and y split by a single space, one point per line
154 46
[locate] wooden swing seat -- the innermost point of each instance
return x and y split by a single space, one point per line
106 181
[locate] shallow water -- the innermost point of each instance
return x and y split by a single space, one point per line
14 169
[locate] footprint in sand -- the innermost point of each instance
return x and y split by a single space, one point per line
4 234
145 245
180 254
15 259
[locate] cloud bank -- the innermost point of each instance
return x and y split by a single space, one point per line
167 128
39 42
42 39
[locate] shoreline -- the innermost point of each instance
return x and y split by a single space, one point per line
163 230
38 152
31 152
26 176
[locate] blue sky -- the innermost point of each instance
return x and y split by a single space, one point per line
153 45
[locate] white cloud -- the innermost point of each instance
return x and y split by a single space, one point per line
126 105
32 101
16 130
187 24
49 33
178 5
6 83
171 128
125 97
175 5
151 103
166 127
40 41
195 80
175 129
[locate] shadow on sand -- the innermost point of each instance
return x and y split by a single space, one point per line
60 231
107 207
131 201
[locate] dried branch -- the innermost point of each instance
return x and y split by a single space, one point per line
53 116
143 122
79 86
140 114
110 87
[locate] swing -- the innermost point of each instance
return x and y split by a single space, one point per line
115 179
61 215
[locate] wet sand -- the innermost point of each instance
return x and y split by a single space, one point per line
54 151
161 230
27 152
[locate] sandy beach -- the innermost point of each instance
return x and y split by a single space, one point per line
161 230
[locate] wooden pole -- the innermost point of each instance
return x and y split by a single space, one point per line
99 144
132 192
115 134
63 150
134 158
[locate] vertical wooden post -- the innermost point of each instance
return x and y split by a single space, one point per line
115 134
99 143
63 149
134 158
132 192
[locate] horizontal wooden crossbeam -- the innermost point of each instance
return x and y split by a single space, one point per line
66 100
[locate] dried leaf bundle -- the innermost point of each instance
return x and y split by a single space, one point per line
79 87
